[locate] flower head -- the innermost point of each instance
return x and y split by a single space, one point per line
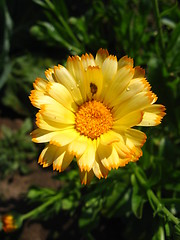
87 110
8 223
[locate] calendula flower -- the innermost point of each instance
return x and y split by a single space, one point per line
8 223
88 109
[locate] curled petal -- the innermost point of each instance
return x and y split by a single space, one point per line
139 72
153 115
86 177
98 168
85 162
49 73
40 84
62 159
101 55
87 60
125 61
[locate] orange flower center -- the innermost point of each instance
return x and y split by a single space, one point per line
93 118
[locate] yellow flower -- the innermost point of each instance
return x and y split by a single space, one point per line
8 223
88 109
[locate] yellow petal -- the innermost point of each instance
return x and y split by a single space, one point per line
64 137
129 120
125 61
49 73
62 159
94 82
109 156
153 115
98 168
56 112
122 150
87 60
65 78
42 136
41 157
137 102
86 177
135 86
109 138
45 123
46 157
124 154
78 146
37 98
75 67
115 138
40 84
104 153
137 137
134 145
119 83
101 55
109 69
85 162
61 95
154 97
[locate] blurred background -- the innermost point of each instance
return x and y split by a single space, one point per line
38 34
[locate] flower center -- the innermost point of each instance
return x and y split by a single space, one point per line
93 119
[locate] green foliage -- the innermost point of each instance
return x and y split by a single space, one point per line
16 148
54 201
57 29
24 70
137 198
88 29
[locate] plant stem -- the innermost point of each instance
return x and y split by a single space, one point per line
40 208
160 207
155 203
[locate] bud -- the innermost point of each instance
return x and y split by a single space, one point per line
10 223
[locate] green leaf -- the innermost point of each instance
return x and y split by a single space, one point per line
159 234
39 194
41 3
177 232
66 204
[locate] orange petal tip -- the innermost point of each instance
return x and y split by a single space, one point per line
139 72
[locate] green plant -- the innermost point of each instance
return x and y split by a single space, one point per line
16 148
